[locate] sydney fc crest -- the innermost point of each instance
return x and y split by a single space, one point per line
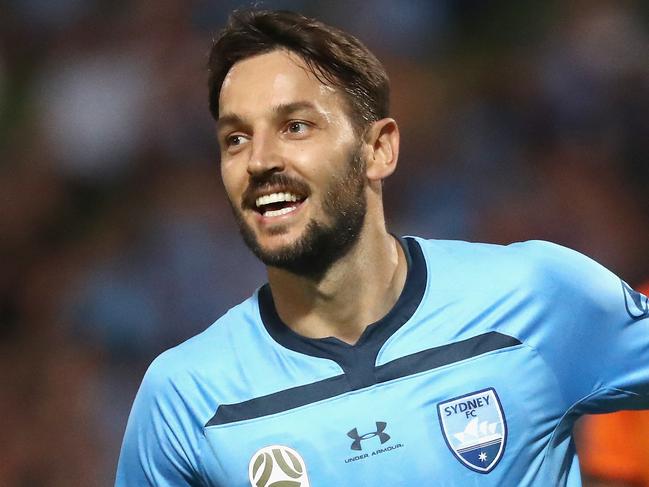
474 428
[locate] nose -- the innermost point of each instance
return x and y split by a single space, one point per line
265 155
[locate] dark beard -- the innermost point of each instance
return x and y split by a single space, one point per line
321 245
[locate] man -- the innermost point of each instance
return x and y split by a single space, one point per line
369 359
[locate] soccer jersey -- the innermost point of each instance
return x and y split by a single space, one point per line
475 377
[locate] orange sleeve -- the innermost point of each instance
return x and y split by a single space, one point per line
616 446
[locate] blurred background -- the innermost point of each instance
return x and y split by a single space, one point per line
520 120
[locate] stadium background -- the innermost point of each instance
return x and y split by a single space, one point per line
519 120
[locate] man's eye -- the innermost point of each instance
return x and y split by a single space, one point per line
234 140
297 127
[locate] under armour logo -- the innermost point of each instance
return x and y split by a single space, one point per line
380 428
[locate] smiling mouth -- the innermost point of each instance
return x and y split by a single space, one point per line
278 204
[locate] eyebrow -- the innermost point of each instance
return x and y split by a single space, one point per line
279 111
288 108
228 119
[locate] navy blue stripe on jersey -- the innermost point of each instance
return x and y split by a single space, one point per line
335 386
281 401
444 355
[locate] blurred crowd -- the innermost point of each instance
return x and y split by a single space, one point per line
520 120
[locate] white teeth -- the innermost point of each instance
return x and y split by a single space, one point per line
275 198
282 211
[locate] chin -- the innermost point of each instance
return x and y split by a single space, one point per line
275 239
309 254
271 251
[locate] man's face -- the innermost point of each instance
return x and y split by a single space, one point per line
291 163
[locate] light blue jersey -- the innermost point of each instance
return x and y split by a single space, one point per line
475 377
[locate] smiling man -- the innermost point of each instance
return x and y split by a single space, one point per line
369 359
297 189
304 181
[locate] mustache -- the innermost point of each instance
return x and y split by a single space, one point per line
273 182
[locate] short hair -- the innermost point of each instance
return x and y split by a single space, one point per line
332 55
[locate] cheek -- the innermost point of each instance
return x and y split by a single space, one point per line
332 163
232 181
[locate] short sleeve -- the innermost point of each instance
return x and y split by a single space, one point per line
157 445
591 328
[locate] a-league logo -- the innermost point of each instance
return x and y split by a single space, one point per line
277 466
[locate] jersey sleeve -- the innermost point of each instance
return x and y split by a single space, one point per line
156 450
592 329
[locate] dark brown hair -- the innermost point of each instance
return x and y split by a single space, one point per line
333 56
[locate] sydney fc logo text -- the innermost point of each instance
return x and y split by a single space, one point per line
475 429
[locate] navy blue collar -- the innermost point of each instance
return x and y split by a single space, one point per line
374 336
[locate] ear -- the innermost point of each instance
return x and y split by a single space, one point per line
382 139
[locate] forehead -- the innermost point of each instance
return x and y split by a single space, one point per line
273 79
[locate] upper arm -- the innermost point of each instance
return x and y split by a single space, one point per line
157 449
592 330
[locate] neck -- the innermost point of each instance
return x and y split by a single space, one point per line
357 290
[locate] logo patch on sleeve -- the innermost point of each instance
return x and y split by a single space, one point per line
637 304
475 429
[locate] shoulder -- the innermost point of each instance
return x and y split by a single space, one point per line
179 393
531 252
540 267
485 262
533 255
568 275
204 355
